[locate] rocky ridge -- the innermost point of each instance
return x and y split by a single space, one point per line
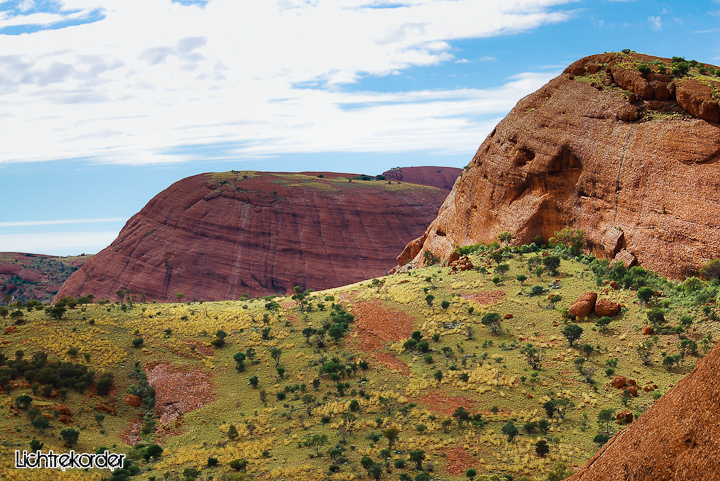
219 236
629 156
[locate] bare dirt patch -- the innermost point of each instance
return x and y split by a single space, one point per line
178 391
445 404
377 324
486 298
459 461
131 436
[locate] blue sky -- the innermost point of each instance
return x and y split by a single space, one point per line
104 103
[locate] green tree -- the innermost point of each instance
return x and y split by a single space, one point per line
391 434
533 355
510 430
573 239
152 451
606 416
492 320
23 402
551 263
316 441
429 299
375 470
470 474
417 456
572 333
506 237
542 448
70 436
276 352
502 269
461 415
645 294
41 423
603 323
239 359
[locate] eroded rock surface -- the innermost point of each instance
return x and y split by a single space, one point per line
178 391
35 276
603 148
218 236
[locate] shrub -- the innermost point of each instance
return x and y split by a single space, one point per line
152 451
644 68
137 342
645 294
70 436
445 304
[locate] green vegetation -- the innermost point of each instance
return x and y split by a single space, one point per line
387 379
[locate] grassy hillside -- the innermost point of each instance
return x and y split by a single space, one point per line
332 404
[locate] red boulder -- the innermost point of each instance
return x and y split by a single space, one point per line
584 305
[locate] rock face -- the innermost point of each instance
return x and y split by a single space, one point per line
440 177
676 438
34 276
569 156
217 236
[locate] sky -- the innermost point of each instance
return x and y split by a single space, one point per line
105 103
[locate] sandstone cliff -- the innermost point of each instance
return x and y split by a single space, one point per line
676 438
630 157
35 276
218 236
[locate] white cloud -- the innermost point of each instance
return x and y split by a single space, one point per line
153 75
57 243
655 23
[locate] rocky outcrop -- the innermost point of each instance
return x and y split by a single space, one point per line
563 158
606 308
218 236
440 177
676 438
584 305
38 277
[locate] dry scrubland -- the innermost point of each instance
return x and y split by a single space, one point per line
320 425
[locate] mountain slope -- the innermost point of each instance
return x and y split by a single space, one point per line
219 236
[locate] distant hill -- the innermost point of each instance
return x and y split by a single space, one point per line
35 276
222 235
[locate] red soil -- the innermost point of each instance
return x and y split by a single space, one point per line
445 404
377 324
486 298
458 461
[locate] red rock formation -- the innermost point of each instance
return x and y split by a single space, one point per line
440 177
217 236
566 156
584 305
676 438
605 307
35 276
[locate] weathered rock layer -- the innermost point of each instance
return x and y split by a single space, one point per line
569 155
218 236
676 438
440 177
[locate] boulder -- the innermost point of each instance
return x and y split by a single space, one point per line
584 306
132 400
9 330
648 330
619 382
624 417
605 307
626 258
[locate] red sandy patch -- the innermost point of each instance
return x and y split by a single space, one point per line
178 391
131 436
377 324
391 362
446 404
459 461
486 298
